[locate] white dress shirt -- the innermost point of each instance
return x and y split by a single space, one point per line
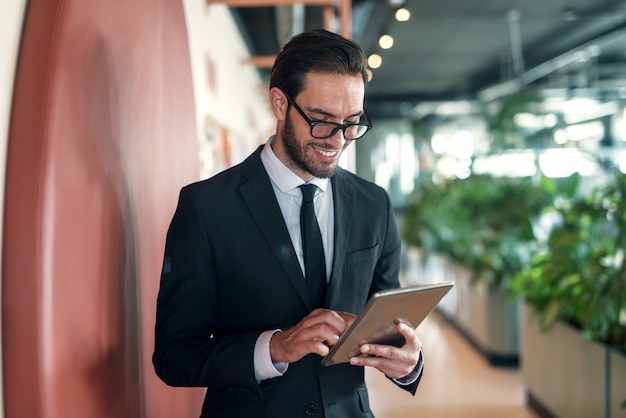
286 188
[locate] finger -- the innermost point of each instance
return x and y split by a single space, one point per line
291 345
392 361
390 368
332 319
385 351
314 334
407 354
313 331
410 336
325 316
348 317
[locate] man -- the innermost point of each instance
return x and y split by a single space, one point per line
235 313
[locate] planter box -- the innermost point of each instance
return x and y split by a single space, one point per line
617 382
422 268
490 320
486 318
568 377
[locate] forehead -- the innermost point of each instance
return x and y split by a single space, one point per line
333 92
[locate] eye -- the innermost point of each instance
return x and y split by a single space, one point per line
356 120
320 121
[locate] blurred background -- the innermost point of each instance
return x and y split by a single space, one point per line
499 133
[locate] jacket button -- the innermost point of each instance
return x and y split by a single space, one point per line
310 409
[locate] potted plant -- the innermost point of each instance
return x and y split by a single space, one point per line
577 282
484 224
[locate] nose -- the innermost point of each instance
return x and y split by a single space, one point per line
338 139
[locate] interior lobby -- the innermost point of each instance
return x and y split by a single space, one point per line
488 118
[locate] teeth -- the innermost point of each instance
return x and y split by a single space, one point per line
326 153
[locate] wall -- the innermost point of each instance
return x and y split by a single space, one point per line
232 109
101 139
11 15
112 115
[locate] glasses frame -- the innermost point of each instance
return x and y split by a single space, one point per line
338 126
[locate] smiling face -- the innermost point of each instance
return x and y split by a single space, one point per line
325 97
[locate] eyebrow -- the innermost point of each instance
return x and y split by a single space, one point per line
325 113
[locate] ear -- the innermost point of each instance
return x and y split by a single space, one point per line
279 103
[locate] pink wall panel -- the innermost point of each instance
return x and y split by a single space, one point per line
102 137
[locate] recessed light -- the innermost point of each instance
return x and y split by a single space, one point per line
403 15
374 61
385 41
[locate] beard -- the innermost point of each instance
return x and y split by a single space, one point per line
296 152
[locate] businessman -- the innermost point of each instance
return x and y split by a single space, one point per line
267 263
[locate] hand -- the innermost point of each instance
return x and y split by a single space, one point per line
315 333
394 362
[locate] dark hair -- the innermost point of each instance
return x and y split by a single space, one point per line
318 51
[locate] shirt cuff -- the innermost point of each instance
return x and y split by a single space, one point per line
417 371
263 366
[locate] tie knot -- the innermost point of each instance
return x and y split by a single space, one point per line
308 191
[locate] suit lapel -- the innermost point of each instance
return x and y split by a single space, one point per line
259 196
343 197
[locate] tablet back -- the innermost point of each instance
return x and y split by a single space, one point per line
377 321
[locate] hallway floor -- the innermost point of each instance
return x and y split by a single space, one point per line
457 382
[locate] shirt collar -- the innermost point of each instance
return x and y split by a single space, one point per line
281 175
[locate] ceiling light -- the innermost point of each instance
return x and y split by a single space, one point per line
385 41
463 144
439 143
560 136
622 126
402 15
374 61
550 120
563 162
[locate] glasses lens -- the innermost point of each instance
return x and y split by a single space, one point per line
355 131
323 130
326 130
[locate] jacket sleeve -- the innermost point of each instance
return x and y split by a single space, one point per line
387 270
188 351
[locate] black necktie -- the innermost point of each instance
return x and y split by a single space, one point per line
314 261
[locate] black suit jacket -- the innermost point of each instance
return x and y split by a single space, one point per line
230 272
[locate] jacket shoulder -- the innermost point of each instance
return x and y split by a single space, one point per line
344 178
230 178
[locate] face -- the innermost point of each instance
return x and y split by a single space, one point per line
327 97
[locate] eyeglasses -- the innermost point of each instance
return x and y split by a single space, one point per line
323 129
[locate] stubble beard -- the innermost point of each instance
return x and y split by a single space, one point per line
296 152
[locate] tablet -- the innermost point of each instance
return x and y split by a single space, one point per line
376 323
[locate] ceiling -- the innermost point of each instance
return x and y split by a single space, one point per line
473 51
